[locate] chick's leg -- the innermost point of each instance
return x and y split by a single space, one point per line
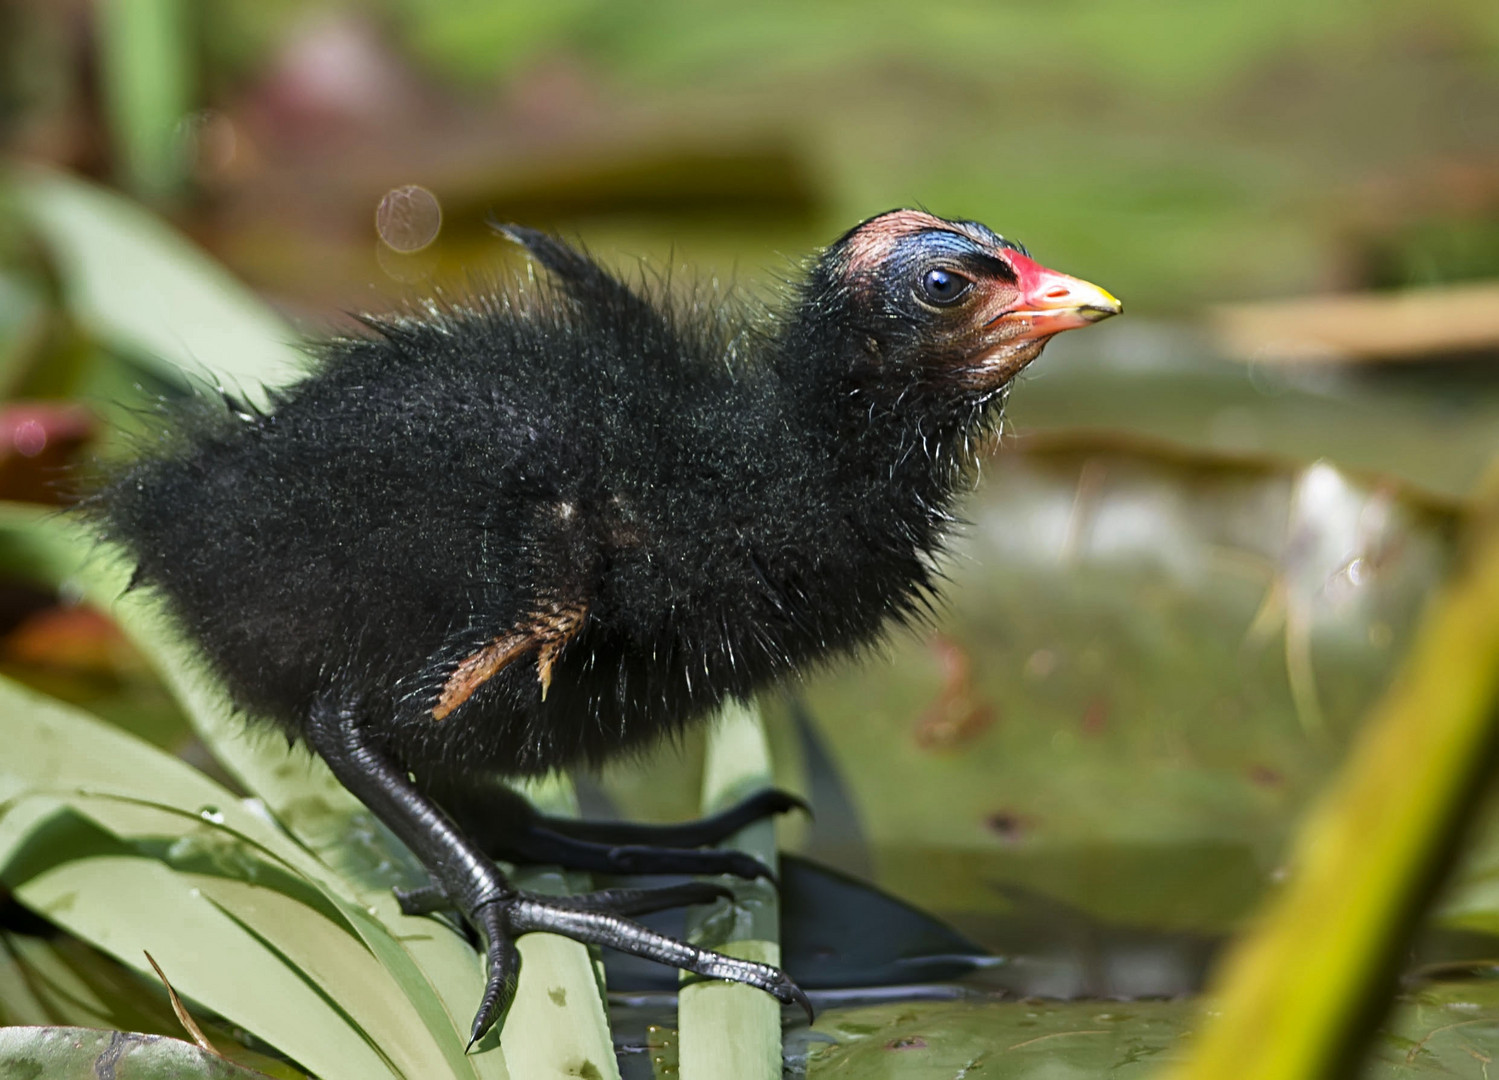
465 879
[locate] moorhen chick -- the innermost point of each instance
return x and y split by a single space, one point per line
544 526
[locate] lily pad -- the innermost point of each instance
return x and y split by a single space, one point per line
1443 1030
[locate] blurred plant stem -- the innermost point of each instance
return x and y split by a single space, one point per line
1299 997
145 61
557 1025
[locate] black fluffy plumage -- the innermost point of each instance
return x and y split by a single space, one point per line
658 504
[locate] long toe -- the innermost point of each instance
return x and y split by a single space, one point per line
542 845
703 832
629 902
423 900
529 912
772 980
650 860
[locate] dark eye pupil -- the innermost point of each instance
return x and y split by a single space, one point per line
943 286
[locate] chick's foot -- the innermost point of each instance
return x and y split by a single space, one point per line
465 879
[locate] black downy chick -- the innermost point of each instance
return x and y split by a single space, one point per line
548 526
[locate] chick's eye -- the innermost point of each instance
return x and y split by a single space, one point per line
940 286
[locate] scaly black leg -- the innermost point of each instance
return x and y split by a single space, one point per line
431 898
468 881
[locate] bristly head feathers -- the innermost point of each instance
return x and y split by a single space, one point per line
730 495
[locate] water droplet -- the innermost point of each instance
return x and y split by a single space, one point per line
408 218
211 814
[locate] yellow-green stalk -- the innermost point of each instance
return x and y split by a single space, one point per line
728 1031
1298 997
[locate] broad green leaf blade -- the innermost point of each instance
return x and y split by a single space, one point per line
729 1031
291 917
66 983
143 289
47 982
353 957
339 965
53 748
23 322
998 1040
54 1053
124 904
1442 1031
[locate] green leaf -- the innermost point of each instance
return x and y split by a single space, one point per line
57 750
54 1053
124 904
1026 1040
1444 1030
143 289
58 980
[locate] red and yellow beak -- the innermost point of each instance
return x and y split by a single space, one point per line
1050 302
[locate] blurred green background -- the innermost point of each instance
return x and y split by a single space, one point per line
1184 153
1205 547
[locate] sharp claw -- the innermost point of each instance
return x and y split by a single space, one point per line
793 995
720 892
786 801
503 968
750 868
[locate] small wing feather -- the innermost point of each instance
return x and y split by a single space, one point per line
546 632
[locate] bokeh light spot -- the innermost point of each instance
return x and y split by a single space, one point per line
408 218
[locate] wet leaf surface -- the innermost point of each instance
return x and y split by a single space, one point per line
1443 1030
87 1054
